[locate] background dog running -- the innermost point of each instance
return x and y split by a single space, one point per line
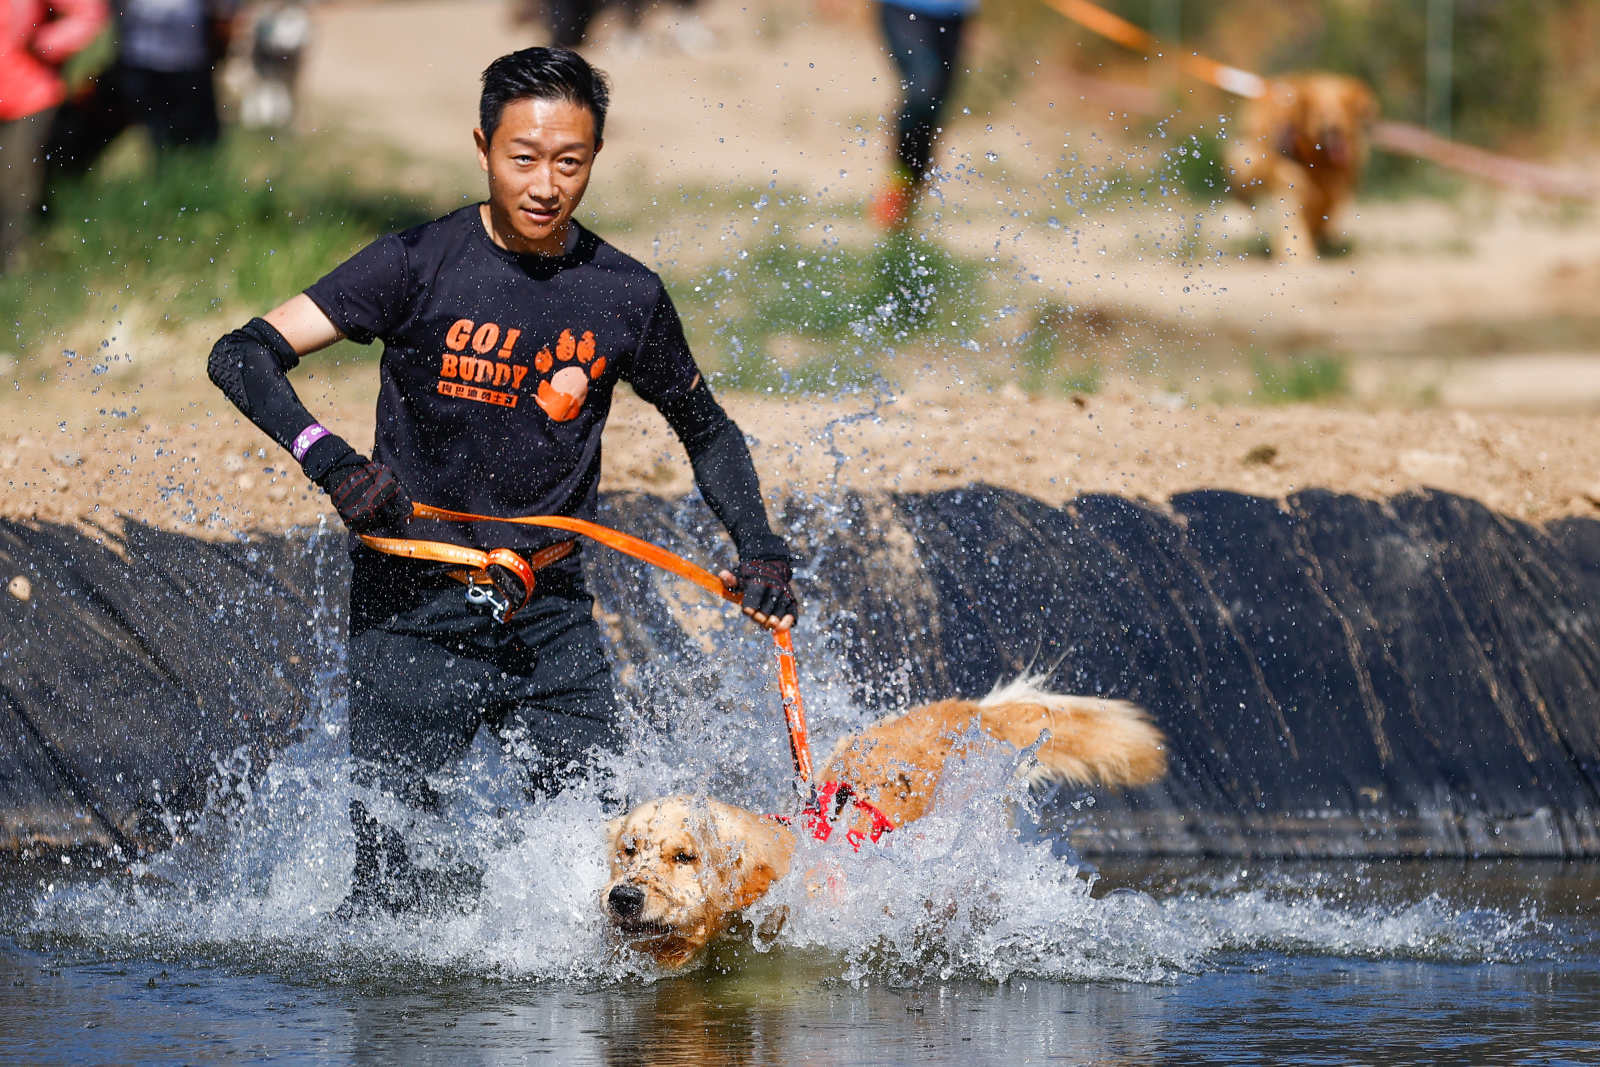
1304 145
682 867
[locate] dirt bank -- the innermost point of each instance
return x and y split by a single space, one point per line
1440 296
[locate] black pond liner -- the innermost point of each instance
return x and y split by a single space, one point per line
1337 676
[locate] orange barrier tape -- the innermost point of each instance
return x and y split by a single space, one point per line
794 714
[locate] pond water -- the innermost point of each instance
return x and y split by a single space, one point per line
1395 963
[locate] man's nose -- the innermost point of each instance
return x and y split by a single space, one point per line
542 184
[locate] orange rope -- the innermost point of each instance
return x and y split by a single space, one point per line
1099 20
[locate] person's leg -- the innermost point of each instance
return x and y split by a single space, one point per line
569 20
180 110
85 126
419 685
563 709
925 51
21 180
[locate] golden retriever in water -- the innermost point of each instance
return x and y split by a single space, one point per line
1304 144
683 867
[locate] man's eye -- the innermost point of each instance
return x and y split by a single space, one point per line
684 857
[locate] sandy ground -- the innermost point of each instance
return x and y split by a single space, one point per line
788 97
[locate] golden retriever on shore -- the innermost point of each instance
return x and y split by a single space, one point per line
683 867
1304 144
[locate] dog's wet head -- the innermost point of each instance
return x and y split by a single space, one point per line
681 867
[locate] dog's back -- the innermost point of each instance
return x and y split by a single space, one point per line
896 763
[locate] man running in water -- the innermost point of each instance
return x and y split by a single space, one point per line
507 327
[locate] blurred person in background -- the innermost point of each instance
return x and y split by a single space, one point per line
163 78
37 37
923 37
569 21
279 37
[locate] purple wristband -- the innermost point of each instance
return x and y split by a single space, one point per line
308 437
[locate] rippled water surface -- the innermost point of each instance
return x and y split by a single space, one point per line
1301 963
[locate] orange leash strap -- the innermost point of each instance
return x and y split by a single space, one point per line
1099 20
624 543
794 713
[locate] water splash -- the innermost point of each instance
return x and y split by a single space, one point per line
253 878
961 895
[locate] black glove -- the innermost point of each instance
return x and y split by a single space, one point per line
765 585
366 494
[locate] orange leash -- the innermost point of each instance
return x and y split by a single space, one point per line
1098 19
794 714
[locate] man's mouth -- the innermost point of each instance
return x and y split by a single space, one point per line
542 216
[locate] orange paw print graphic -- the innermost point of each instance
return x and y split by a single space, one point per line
562 394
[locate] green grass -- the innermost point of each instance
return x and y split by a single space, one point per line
1195 165
789 307
1303 378
233 231
1053 358
787 316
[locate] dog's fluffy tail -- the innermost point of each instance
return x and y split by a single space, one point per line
1091 741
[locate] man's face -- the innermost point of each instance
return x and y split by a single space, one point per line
538 165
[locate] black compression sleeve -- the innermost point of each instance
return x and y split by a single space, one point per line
249 365
724 472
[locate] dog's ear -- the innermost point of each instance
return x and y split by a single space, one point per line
1360 103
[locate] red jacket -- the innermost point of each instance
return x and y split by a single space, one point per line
36 38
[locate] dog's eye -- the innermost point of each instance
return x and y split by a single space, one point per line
684 857
628 850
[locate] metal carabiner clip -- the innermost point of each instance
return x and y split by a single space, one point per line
488 596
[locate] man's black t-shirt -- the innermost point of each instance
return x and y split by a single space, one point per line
498 369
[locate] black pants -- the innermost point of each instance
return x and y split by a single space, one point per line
924 49
569 20
427 670
178 108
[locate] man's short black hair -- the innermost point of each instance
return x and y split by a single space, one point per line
542 74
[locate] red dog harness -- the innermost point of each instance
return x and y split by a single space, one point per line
829 803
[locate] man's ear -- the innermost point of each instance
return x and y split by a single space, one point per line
483 147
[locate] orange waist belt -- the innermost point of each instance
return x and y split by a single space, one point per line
484 585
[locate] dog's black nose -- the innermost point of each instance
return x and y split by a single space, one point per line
627 901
